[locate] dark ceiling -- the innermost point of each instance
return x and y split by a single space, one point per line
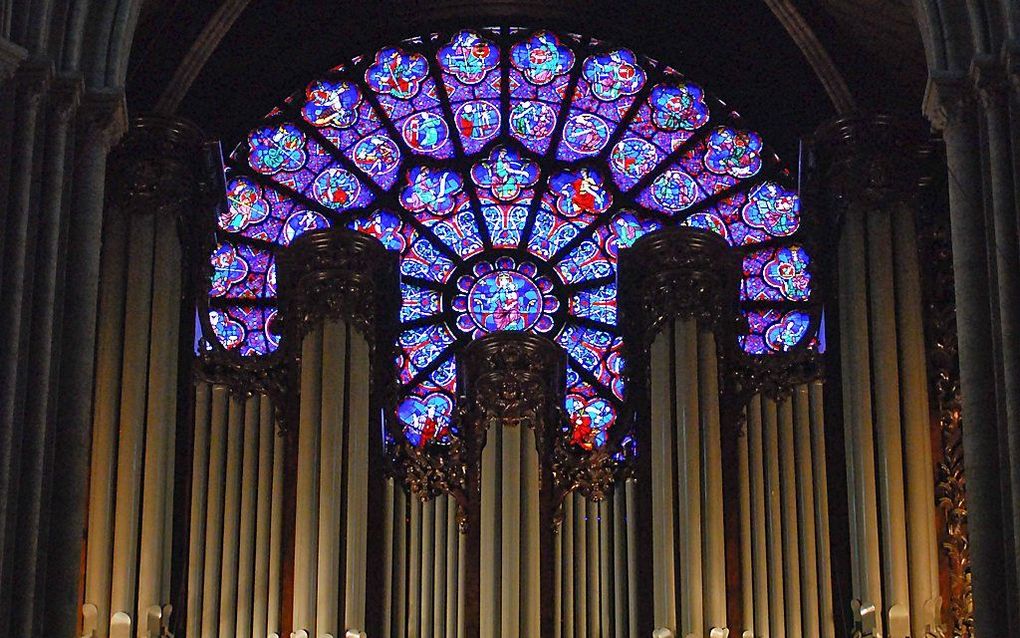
736 48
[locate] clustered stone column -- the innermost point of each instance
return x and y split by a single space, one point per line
867 174
56 133
976 111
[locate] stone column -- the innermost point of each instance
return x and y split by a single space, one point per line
99 123
952 108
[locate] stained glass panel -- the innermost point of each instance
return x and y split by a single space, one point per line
508 169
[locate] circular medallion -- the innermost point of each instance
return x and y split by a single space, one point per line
586 133
634 157
504 300
675 190
477 120
336 188
376 155
425 132
532 120
300 223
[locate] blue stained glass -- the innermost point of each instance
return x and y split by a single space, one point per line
580 191
505 174
774 209
426 418
625 229
242 272
504 295
332 103
586 262
773 331
468 57
432 190
505 222
532 122
423 259
613 74
245 206
735 153
511 263
338 189
384 226
420 347
397 73
302 221
229 268
276 148
541 58
708 221
604 94
777 274
477 121
591 417
586 346
418 302
597 304
427 133
551 232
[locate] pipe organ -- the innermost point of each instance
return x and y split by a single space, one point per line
275 502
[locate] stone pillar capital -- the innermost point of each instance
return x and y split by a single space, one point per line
1011 66
33 78
102 117
948 99
988 75
65 96
157 166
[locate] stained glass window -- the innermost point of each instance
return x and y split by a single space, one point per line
508 168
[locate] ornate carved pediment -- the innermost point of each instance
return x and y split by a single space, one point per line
339 274
866 160
678 273
512 379
156 167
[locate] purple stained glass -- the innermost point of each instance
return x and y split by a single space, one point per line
541 58
477 252
426 418
782 273
468 57
505 174
773 330
397 73
504 295
384 226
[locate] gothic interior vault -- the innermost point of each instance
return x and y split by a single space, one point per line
504 319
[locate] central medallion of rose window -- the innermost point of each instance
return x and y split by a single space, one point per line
504 295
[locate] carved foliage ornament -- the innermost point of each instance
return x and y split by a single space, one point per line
944 382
